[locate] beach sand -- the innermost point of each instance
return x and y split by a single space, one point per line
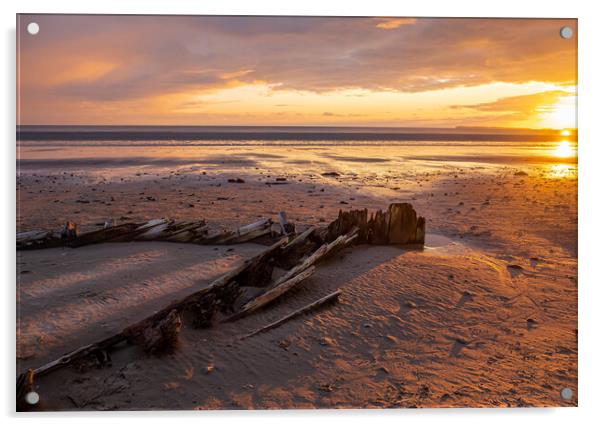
485 315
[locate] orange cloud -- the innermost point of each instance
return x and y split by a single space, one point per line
93 68
531 109
392 23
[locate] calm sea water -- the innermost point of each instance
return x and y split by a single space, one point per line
313 149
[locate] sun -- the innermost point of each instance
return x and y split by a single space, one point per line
563 150
565 133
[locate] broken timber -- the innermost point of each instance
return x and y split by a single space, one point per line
196 232
399 224
286 227
322 301
294 276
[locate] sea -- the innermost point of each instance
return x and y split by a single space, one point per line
115 150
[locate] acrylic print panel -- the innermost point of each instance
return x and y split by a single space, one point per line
295 212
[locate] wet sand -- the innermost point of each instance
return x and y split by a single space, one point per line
485 315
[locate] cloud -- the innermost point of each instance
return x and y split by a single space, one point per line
149 56
532 103
524 108
392 23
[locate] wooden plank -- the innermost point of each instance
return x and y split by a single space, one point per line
322 301
103 235
271 294
321 253
286 227
294 276
243 234
38 239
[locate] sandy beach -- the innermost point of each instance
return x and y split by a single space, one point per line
484 315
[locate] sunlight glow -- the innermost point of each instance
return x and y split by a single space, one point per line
564 150
561 171
565 133
560 114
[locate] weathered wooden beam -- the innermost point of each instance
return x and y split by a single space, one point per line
295 250
69 231
272 294
294 276
399 224
348 220
78 354
104 235
241 235
189 233
286 227
38 239
153 230
405 227
320 254
163 335
318 303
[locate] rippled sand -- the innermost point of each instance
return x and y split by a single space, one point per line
485 315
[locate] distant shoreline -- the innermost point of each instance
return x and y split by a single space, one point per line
270 133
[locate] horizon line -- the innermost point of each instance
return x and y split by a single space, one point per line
328 126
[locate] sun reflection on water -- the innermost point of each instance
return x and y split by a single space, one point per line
564 150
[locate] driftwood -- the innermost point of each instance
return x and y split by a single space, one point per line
405 226
271 295
346 221
293 277
295 250
24 380
259 272
163 335
38 239
398 225
196 232
320 254
286 227
103 235
243 234
191 232
322 301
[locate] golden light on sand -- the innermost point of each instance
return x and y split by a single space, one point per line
561 171
563 150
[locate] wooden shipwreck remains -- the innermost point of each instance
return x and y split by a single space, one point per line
298 254
399 224
195 232
163 335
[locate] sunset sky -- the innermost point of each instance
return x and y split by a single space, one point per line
296 71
